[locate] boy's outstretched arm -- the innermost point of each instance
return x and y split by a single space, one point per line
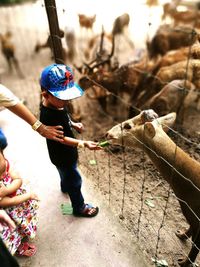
81 143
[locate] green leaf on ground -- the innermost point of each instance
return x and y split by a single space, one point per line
66 209
92 162
160 263
149 203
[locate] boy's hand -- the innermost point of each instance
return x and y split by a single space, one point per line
78 126
92 145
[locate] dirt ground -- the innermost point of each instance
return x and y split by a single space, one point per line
126 178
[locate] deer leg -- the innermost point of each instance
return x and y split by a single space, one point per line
189 262
16 63
9 64
103 103
183 235
193 252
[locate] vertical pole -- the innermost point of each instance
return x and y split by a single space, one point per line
55 36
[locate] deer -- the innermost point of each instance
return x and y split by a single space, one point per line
181 70
169 8
170 38
148 131
86 22
120 24
49 44
173 97
189 16
8 51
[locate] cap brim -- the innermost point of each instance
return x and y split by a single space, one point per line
69 93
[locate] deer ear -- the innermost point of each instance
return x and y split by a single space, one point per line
149 129
167 120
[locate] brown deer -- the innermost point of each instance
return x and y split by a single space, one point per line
169 8
170 38
172 98
189 16
86 22
182 172
125 79
120 24
189 70
8 51
49 44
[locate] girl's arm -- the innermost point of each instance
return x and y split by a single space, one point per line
6 220
14 201
16 183
11 188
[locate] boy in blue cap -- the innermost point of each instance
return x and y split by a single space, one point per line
58 87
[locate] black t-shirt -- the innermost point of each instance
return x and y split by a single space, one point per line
60 155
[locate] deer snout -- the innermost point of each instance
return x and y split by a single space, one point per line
109 137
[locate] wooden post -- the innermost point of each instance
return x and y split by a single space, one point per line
55 35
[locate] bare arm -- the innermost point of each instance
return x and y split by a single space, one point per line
80 143
51 132
78 126
14 201
11 188
6 220
16 182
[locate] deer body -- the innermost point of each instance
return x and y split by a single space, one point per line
173 97
171 38
8 51
181 171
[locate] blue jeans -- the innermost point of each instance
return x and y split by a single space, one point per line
70 182
3 140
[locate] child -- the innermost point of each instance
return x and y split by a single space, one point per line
58 87
21 206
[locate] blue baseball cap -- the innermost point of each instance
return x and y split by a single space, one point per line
58 79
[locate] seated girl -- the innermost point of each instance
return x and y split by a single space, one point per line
22 207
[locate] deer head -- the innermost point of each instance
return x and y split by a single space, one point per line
145 125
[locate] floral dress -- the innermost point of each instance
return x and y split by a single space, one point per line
24 215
